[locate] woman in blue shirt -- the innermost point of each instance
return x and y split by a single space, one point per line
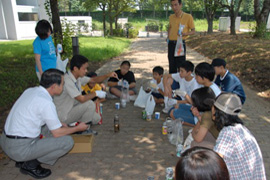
44 49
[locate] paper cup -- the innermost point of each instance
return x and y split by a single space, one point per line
117 105
157 115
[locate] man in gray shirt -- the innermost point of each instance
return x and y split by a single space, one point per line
71 105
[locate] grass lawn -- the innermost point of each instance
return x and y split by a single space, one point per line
17 63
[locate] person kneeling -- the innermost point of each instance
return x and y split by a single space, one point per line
33 114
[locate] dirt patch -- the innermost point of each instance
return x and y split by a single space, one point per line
247 57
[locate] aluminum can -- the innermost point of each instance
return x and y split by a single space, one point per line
169 173
144 115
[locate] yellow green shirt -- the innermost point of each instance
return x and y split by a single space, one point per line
185 19
88 90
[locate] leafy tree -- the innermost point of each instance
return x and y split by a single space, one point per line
210 10
233 6
53 12
115 8
261 15
102 4
247 8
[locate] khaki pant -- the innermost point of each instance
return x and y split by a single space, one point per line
84 112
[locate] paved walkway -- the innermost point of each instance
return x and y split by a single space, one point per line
140 150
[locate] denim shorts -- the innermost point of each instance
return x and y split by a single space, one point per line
185 114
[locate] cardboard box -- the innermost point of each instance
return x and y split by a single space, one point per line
82 143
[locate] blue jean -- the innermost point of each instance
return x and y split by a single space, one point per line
184 113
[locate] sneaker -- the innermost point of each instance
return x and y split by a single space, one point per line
90 131
111 96
166 110
171 102
132 97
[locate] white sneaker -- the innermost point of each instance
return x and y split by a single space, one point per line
111 96
171 102
166 109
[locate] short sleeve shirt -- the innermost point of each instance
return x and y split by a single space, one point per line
45 48
160 84
209 124
215 89
66 100
129 77
185 19
31 111
187 86
241 153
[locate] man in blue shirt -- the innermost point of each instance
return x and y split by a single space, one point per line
227 81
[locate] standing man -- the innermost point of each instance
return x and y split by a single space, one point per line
186 20
33 114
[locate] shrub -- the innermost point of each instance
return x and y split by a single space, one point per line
133 33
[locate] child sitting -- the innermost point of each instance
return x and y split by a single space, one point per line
123 74
92 87
227 81
187 85
205 74
157 84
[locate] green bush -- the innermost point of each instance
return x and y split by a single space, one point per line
118 32
133 33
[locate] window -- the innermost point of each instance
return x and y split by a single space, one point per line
28 16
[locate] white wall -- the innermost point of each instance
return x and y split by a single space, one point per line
3 30
75 19
11 18
268 22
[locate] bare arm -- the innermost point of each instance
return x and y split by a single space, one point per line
132 85
191 32
84 98
111 83
199 132
38 63
99 79
64 130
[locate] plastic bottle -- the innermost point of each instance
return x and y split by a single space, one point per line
116 123
169 173
124 93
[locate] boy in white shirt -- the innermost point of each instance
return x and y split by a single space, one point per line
187 84
157 84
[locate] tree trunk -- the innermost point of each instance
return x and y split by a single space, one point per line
210 25
261 17
232 27
58 37
104 20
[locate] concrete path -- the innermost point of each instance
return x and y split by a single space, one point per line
140 150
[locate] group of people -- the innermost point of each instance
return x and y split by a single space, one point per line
211 108
222 148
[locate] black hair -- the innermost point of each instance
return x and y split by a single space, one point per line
91 74
77 61
159 70
203 99
218 62
179 1
125 63
223 119
50 77
205 70
199 163
42 29
187 65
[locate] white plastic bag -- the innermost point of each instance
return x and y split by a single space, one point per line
142 98
188 141
179 48
176 137
61 65
150 105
